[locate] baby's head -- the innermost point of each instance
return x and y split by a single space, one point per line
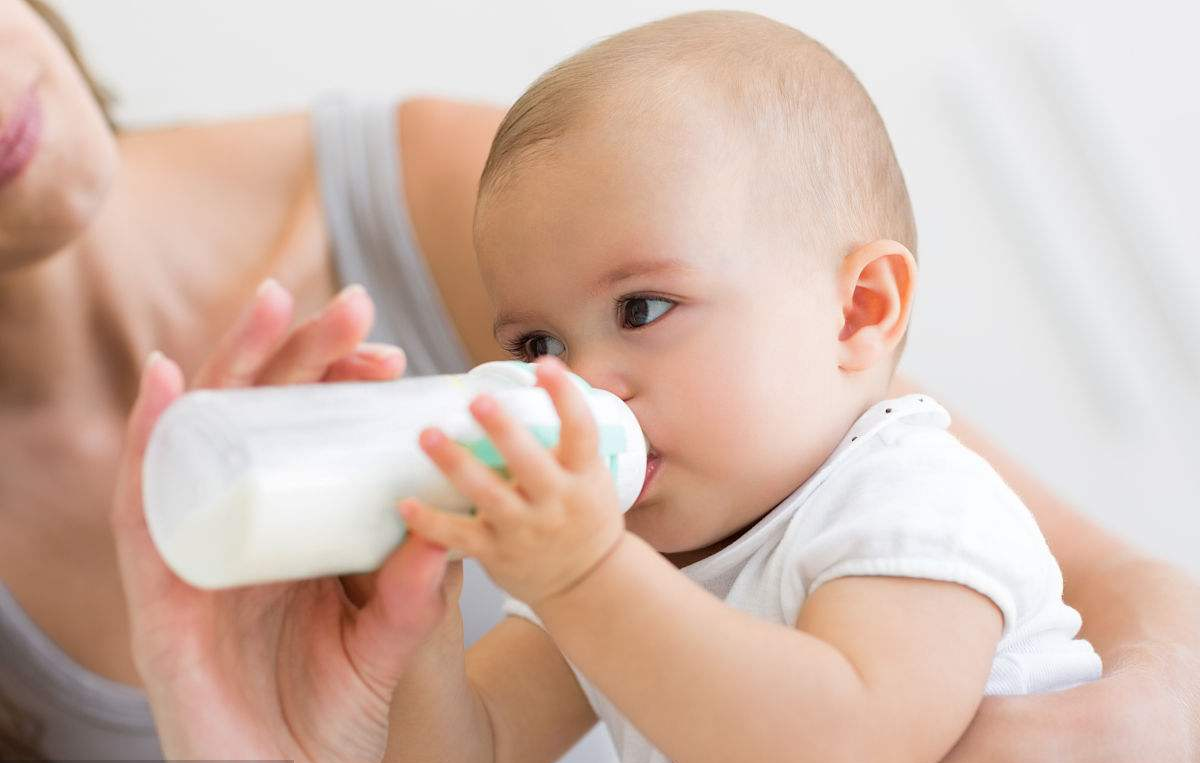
704 216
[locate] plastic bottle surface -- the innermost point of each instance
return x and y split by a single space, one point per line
261 484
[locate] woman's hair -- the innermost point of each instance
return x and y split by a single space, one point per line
104 97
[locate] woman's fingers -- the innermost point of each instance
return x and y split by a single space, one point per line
579 439
370 362
530 463
330 335
258 333
326 347
142 569
405 603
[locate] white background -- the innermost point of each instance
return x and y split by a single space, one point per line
1050 148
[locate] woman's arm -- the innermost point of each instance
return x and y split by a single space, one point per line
1141 614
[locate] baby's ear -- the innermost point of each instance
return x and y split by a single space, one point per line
876 283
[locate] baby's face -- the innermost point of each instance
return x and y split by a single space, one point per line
640 260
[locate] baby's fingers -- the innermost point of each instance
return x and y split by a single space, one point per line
493 498
450 531
579 440
536 471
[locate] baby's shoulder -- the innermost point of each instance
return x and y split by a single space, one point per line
900 445
903 496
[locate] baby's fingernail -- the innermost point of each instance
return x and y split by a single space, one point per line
431 438
151 360
483 405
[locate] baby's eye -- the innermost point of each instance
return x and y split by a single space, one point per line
640 311
532 346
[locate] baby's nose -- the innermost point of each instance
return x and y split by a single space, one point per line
607 376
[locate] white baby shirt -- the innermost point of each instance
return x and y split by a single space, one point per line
899 496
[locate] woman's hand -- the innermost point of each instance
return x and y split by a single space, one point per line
302 670
544 533
1137 713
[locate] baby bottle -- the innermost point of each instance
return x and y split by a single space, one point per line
272 483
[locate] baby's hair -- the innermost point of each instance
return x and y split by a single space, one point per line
823 161
783 85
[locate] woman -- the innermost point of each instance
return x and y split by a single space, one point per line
114 245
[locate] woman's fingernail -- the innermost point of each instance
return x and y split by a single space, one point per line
151 359
267 285
380 351
349 291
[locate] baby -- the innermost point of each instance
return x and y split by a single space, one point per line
704 216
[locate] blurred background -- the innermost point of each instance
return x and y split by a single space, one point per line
1050 149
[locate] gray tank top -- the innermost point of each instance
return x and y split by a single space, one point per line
81 715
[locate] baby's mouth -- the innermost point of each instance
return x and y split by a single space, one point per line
652 464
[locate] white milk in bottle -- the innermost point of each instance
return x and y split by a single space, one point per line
252 485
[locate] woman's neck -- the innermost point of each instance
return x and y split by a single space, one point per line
64 334
76 326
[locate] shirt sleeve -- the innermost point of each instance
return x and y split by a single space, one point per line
917 503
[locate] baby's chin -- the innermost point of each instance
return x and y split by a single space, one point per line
673 536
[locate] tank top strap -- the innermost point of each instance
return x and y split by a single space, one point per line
362 196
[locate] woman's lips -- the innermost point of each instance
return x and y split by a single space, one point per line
652 464
20 135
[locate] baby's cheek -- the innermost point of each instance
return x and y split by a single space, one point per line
728 430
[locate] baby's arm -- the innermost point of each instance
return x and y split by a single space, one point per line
702 680
875 669
513 699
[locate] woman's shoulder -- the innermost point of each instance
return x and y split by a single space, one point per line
245 153
442 133
443 145
448 134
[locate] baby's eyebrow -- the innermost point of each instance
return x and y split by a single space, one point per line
613 277
641 267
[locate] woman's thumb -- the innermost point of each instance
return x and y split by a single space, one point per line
404 608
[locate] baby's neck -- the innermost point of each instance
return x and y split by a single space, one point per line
682 559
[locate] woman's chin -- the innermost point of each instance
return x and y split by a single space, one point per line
37 220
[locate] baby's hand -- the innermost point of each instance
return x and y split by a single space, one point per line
542 532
